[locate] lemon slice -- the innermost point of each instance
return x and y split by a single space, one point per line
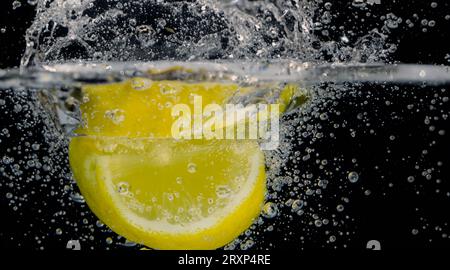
163 193
171 195
157 191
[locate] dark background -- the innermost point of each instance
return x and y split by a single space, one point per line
394 207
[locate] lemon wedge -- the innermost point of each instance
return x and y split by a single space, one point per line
153 189
171 195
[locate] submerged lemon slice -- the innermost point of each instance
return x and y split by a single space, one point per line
171 195
152 189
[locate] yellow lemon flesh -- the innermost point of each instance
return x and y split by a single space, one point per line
153 190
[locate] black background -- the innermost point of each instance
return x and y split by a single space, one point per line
394 207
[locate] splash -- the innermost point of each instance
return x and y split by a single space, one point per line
148 30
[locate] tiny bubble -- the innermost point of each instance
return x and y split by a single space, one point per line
192 167
353 177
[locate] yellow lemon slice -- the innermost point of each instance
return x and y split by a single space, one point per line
163 193
171 195
157 191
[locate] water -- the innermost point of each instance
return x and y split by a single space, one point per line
347 141
309 183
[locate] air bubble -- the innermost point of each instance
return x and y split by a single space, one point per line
392 21
123 188
247 244
7 160
109 240
318 223
116 116
140 84
35 146
353 177
270 210
16 4
192 168
332 239
17 108
223 191
77 197
179 180
297 205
